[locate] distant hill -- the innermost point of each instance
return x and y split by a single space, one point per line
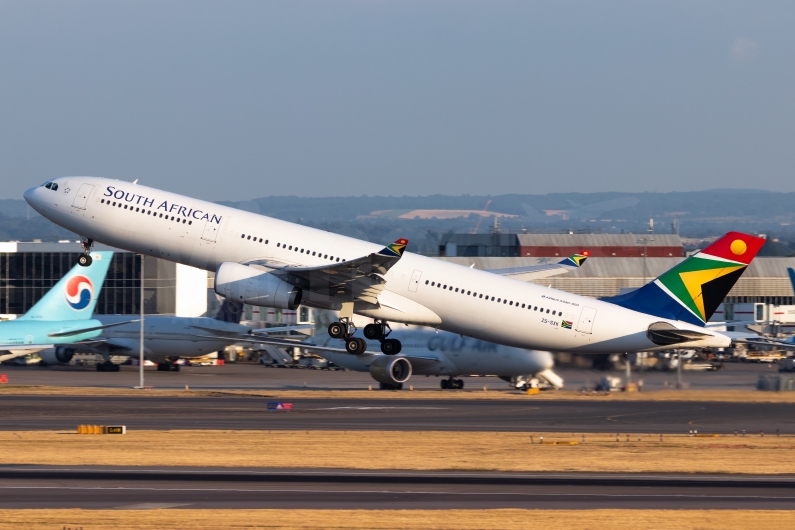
383 219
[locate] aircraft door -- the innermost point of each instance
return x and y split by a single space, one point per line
587 317
415 280
210 231
81 199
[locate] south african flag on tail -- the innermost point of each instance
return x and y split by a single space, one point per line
396 249
576 260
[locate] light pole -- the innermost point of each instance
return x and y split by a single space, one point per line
141 337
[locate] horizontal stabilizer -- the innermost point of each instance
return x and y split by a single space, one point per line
664 334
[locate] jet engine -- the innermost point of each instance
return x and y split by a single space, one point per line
59 355
251 286
391 370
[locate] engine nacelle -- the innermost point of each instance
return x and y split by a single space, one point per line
391 370
59 355
251 286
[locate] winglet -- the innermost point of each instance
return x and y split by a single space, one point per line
396 249
576 260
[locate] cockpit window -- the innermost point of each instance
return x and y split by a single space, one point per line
47 185
54 186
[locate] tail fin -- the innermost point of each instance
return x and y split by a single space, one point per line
396 249
230 311
692 290
75 295
576 260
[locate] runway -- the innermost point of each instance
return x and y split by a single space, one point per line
250 376
148 488
241 413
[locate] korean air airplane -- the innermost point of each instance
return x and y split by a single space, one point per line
268 262
63 316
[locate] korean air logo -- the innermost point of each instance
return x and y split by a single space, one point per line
79 292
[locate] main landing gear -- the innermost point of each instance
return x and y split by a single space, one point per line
107 366
380 330
167 366
344 329
85 260
452 384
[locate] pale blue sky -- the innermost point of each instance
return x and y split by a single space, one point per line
240 99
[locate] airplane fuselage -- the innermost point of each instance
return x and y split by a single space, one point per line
447 354
459 299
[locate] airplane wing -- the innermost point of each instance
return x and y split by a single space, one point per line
72 332
280 329
739 337
357 279
285 343
536 272
12 351
222 334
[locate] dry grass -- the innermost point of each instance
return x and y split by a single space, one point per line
504 451
403 519
732 396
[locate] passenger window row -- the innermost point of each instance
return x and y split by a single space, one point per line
146 212
492 298
293 248
242 236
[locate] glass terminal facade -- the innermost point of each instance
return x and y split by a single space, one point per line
26 276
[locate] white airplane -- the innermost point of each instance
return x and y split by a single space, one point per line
426 352
268 262
166 338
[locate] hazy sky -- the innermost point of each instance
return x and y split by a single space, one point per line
241 99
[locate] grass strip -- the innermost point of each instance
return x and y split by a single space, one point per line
415 450
403 519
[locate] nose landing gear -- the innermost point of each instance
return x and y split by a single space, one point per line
85 260
452 384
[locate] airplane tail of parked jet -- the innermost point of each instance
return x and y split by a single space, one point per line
692 290
75 295
230 311
791 273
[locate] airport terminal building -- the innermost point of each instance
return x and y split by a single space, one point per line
30 269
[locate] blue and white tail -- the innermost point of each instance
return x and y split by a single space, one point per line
230 311
75 295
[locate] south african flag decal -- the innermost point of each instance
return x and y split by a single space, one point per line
566 324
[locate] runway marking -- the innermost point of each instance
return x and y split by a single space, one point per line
150 506
405 492
612 418
382 408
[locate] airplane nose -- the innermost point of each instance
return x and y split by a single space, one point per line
32 196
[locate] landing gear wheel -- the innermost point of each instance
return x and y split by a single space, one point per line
445 384
355 346
391 347
175 367
107 367
387 386
337 330
460 384
373 332
84 260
